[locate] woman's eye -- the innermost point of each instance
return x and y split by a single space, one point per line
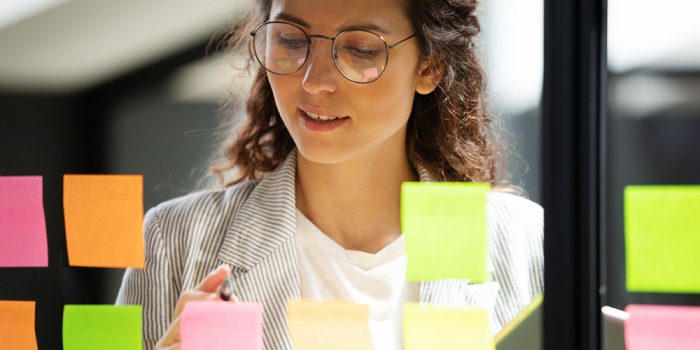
293 43
362 52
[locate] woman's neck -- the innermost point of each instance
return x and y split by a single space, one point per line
356 203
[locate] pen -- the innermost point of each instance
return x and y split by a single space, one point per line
225 290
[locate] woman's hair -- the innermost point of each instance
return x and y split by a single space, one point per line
448 129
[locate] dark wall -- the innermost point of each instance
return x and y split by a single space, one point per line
49 136
128 125
659 148
653 138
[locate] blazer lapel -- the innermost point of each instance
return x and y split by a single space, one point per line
265 221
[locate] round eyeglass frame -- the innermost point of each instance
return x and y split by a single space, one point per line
332 39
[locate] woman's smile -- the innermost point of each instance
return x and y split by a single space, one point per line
321 122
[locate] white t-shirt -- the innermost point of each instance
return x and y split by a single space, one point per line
330 272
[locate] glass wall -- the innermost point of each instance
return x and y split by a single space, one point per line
653 124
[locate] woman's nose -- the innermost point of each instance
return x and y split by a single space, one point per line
320 74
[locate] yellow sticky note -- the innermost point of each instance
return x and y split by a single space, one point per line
104 219
323 325
530 313
662 236
284 64
445 230
17 325
430 327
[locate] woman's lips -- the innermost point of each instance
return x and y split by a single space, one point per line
318 110
320 125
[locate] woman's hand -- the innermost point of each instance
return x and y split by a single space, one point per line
206 290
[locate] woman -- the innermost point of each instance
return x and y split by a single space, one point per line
352 98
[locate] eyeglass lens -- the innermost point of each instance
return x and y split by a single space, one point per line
282 48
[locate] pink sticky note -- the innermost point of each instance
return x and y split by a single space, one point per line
653 327
22 224
371 73
220 325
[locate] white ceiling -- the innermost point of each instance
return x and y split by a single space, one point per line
651 34
70 45
79 43
13 11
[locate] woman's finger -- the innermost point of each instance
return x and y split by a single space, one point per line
174 346
211 283
205 290
171 337
191 295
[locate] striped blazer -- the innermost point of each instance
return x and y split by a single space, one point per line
251 227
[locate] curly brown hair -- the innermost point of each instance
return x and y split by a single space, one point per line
449 129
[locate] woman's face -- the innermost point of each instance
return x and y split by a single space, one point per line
372 117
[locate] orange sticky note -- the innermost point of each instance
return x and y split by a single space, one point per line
17 325
104 219
322 325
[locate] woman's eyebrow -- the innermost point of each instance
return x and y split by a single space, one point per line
368 26
294 19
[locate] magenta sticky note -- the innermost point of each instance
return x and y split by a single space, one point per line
220 325
653 327
22 223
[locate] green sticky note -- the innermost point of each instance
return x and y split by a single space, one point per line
444 225
662 237
104 327
429 327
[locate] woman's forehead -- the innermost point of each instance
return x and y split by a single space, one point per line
332 16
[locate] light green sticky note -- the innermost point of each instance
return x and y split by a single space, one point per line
662 236
444 224
284 64
429 327
104 327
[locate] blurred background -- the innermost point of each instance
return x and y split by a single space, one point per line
139 87
653 118
107 87
133 87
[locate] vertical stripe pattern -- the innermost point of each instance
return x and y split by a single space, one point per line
251 227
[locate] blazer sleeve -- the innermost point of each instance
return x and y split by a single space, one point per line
518 250
151 286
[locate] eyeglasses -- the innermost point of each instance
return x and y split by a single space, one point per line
359 55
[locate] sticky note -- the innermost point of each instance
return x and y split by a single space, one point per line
104 218
430 327
322 325
662 237
531 313
371 73
284 65
445 232
105 327
220 325
22 223
653 327
17 325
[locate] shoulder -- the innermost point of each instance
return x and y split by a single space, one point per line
210 207
516 233
516 226
512 214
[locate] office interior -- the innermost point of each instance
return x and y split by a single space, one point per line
133 87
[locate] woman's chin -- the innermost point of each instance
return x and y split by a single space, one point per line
325 155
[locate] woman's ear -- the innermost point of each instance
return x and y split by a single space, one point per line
430 73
